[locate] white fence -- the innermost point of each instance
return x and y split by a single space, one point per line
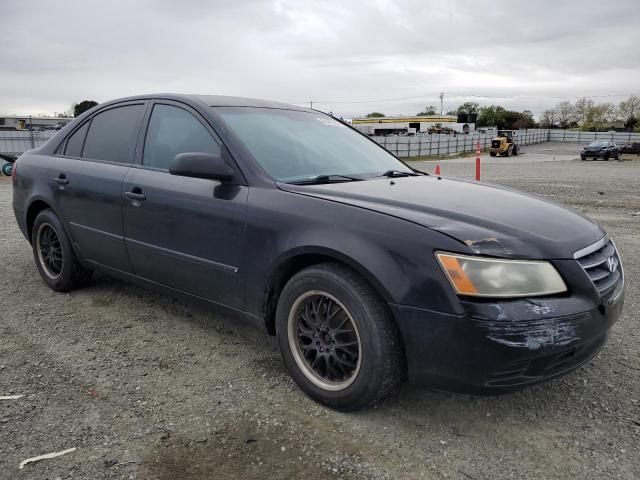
439 145
17 142
574 136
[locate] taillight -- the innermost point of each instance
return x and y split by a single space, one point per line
14 169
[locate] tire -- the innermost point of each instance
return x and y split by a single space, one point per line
364 348
515 151
583 158
55 260
508 152
7 168
493 154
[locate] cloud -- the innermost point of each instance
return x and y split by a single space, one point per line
520 54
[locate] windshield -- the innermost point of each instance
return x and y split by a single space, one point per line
292 145
598 144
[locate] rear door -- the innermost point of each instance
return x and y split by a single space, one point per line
186 233
87 182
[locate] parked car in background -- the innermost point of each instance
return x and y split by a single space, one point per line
367 270
600 150
630 148
7 162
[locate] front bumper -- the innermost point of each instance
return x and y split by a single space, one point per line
503 346
598 154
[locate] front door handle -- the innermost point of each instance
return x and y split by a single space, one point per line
139 197
61 179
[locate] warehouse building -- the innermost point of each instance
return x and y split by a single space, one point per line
22 122
418 124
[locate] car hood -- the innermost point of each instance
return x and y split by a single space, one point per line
488 219
593 149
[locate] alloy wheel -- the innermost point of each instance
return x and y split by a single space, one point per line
324 340
49 251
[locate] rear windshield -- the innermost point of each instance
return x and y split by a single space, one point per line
598 144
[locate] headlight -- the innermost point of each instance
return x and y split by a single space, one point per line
488 277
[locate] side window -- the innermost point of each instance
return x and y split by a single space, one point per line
171 131
113 133
75 141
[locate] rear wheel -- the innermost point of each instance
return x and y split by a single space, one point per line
337 338
55 260
493 154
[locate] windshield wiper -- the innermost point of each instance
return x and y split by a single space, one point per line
398 173
325 179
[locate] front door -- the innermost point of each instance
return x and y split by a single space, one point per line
185 233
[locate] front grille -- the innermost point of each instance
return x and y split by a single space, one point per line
495 143
601 262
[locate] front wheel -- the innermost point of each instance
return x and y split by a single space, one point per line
337 338
55 260
7 168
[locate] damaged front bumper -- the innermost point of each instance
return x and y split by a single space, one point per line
505 345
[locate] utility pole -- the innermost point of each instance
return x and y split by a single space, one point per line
311 104
441 102
33 145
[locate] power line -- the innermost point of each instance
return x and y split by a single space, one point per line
398 99
461 95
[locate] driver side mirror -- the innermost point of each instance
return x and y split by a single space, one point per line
201 165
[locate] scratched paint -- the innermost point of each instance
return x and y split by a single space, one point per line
487 245
533 334
555 335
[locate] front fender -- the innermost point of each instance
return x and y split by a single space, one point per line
396 256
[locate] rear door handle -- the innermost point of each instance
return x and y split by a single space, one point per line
140 197
61 179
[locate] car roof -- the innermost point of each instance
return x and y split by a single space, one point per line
216 100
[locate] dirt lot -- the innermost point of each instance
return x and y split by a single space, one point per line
147 387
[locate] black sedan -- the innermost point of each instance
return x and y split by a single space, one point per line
631 148
600 150
366 270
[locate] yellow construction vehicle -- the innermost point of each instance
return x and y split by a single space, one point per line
504 144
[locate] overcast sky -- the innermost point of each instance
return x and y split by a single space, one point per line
391 56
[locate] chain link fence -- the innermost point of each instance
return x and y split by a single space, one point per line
573 136
18 142
435 145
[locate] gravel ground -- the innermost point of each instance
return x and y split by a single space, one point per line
147 387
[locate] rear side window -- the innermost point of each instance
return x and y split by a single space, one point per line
171 131
112 134
75 141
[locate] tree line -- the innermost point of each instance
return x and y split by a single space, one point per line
584 113
590 116
491 116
